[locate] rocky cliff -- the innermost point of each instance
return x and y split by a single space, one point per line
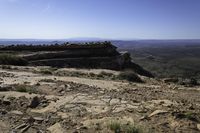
92 55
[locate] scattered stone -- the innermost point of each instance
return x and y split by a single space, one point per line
6 102
144 118
82 128
158 112
40 131
85 102
30 120
175 88
75 131
114 101
56 128
25 129
21 126
62 86
5 87
166 103
198 127
39 119
4 127
191 107
3 111
16 112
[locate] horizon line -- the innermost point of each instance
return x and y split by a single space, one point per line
91 39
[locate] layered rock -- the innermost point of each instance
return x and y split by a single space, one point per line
94 55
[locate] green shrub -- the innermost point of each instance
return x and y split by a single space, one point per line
49 70
21 88
5 67
46 71
132 129
103 75
8 59
106 74
129 76
91 74
47 80
24 88
117 127
193 81
187 115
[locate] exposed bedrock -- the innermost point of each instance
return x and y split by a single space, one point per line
101 55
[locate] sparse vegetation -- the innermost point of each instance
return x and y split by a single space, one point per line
169 61
187 115
5 88
21 88
24 88
101 75
106 74
47 80
8 59
117 127
129 76
125 75
92 75
56 46
188 82
6 67
48 71
71 73
193 82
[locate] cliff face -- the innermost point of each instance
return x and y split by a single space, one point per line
96 55
81 59
74 53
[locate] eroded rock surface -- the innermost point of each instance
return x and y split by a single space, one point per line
37 103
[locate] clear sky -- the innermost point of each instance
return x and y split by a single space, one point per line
114 19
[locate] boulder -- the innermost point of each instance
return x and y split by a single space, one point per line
56 128
34 102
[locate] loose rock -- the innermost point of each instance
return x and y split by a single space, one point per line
198 127
16 112
34 102
157 112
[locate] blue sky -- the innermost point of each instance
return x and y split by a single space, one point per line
113 19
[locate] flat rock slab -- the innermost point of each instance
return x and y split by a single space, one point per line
158 112
198 127
4 128
56 128
16 112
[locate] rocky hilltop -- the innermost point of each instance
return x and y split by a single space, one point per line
101 55
39 98
66 100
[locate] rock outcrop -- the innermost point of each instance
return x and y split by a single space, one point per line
93 55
